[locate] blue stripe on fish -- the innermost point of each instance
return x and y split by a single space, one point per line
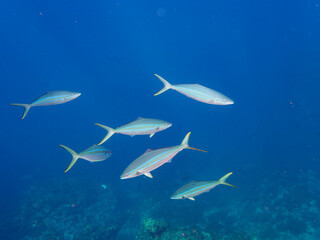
195 189
140 126
142 166
196 93
42 100
94 150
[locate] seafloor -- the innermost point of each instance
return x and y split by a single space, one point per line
282 206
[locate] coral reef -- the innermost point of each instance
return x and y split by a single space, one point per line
151 229
160 230
282 206
71 209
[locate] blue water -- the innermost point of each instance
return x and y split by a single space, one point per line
262 54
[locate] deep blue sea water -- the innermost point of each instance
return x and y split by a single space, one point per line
265 55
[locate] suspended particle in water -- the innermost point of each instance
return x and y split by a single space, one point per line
161 12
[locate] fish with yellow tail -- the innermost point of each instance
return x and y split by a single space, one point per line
152 159
140 126
94 153
193 189
49 98
196 92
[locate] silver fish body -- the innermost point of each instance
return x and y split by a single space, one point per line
152 159
149 161
193 189
49 98
54 98
141 126
196 92
94 153
202 94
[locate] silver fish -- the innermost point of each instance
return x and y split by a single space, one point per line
94 153
153 159
193 189
141 126
197 92
49 98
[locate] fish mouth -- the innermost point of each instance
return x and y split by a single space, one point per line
123 176
227 102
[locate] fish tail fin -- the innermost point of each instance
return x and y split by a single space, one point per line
224 178
75 157
185 144
25 106
166 85
110 130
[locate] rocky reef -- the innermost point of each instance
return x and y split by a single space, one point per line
282 206
160 230
71 209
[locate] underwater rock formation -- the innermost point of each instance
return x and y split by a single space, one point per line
288 208
74 209
160 230
70 209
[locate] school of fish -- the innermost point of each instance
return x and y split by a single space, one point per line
151 159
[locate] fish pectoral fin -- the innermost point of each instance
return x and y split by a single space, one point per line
191 198
148 175
151 135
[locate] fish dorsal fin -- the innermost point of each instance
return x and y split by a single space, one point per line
148 150
148 175
191 198
132 121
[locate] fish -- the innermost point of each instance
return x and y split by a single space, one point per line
94 153
49 98
196 92
141 126
193 189
152 159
